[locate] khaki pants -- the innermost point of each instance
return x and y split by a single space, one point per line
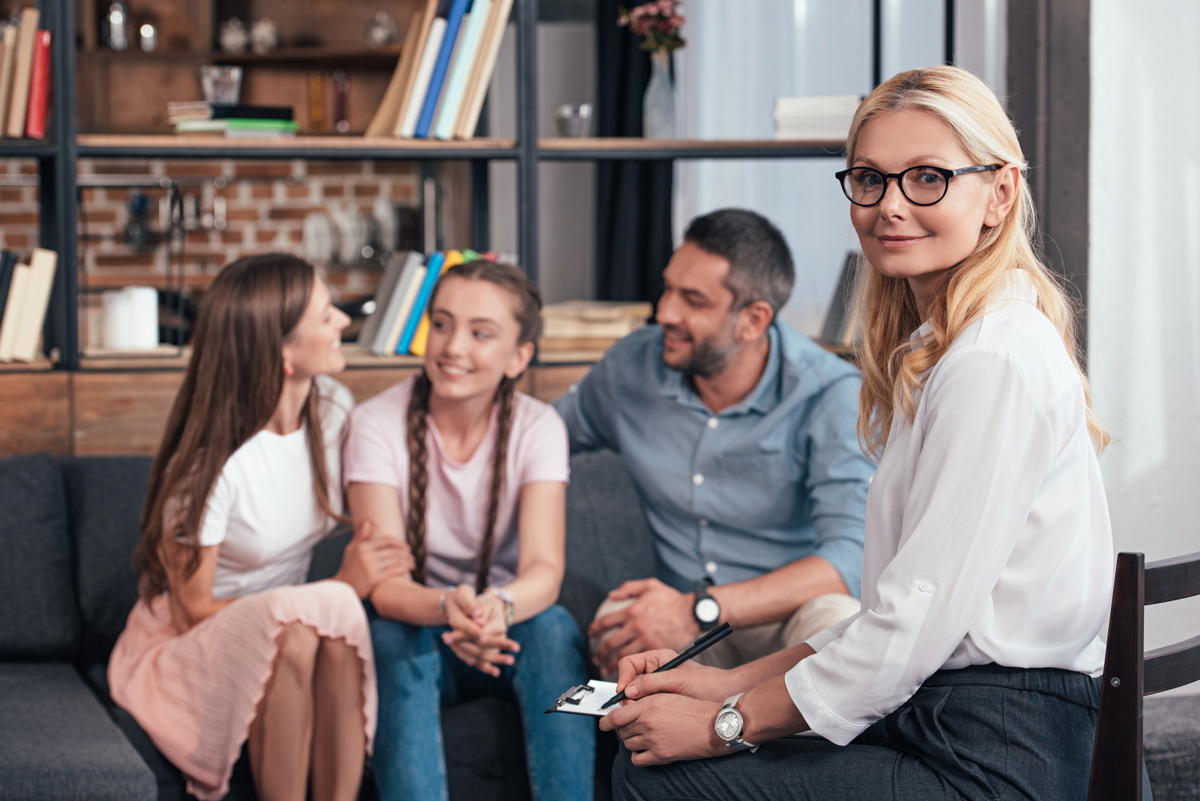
754 642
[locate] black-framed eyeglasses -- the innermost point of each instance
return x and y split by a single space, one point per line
921 185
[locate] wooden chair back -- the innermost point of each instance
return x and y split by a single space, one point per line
1130 673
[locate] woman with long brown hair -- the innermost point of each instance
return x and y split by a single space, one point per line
227 644
972 671
473 475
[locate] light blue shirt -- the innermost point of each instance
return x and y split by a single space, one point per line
730 496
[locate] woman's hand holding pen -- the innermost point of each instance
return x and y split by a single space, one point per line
666 727
478 635
637 679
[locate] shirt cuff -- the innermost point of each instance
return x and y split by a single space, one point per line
823 638
819 717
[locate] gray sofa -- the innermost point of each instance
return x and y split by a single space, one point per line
68 528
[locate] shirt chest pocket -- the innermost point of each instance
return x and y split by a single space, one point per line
756 487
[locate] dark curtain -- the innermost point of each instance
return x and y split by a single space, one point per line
633 198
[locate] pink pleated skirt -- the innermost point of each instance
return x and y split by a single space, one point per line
197 693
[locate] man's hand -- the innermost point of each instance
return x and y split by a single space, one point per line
637 678
370 559
666 728
661 617
477 633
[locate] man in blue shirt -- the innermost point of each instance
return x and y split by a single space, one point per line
740 435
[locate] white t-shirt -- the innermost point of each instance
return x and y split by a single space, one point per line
987 533
262 511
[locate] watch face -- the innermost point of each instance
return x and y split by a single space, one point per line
729 724
707 610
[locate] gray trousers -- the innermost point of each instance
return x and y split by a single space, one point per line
984 732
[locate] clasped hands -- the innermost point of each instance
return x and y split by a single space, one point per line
660 617
478 634
669 717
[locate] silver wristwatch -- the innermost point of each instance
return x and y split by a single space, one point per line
730 725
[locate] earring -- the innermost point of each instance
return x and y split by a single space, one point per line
288 370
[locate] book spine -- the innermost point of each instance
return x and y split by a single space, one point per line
461 71
433 43
418 309
453 21
39 87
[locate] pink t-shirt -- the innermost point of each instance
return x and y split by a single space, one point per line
457 494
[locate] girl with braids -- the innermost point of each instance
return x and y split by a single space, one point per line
972 670
472 474
227 644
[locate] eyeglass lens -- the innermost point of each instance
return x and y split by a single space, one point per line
921 185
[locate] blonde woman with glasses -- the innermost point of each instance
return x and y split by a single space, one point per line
972 670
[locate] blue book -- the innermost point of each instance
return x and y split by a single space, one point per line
418 309
453 21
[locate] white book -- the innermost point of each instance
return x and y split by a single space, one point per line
22 71
13 309
35 304
464 61
6 68
412 114
390 306
406 305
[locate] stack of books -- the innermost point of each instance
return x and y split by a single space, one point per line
444 70
582 330
399 325
24 76
232 122
24 300
823 118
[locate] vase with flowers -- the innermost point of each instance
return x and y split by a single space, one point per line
658 23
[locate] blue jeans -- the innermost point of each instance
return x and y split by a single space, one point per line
419 676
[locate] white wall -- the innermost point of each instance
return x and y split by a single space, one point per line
1144 280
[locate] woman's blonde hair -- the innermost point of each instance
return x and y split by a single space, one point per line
893 371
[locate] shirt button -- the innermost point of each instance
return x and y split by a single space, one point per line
713 422
703 522
711 567
925 586
697 479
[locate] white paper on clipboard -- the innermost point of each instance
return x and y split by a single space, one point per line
586 699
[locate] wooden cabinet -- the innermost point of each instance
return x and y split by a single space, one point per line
35 413
124 413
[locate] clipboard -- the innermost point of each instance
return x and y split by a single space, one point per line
585 699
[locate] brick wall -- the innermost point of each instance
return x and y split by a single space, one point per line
266 203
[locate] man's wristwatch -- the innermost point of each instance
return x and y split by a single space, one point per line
730 726
706 610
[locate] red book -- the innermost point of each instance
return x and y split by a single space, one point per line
39 87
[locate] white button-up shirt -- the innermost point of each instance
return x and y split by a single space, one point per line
987 529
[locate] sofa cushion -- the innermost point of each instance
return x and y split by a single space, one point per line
608 540
104 501
58 742
1171 740
36 594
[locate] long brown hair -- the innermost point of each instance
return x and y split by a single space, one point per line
893 371
528 313
231 388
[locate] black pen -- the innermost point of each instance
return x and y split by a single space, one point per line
711 638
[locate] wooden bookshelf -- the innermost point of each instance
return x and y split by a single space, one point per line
289 147
627 148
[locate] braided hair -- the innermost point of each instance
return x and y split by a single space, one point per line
528 314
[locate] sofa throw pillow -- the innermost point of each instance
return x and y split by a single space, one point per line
36 592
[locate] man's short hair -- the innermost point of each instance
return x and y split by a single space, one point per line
760 264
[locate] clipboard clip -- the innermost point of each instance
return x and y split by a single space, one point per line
574 695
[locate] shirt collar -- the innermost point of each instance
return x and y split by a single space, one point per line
763 398
1018 286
